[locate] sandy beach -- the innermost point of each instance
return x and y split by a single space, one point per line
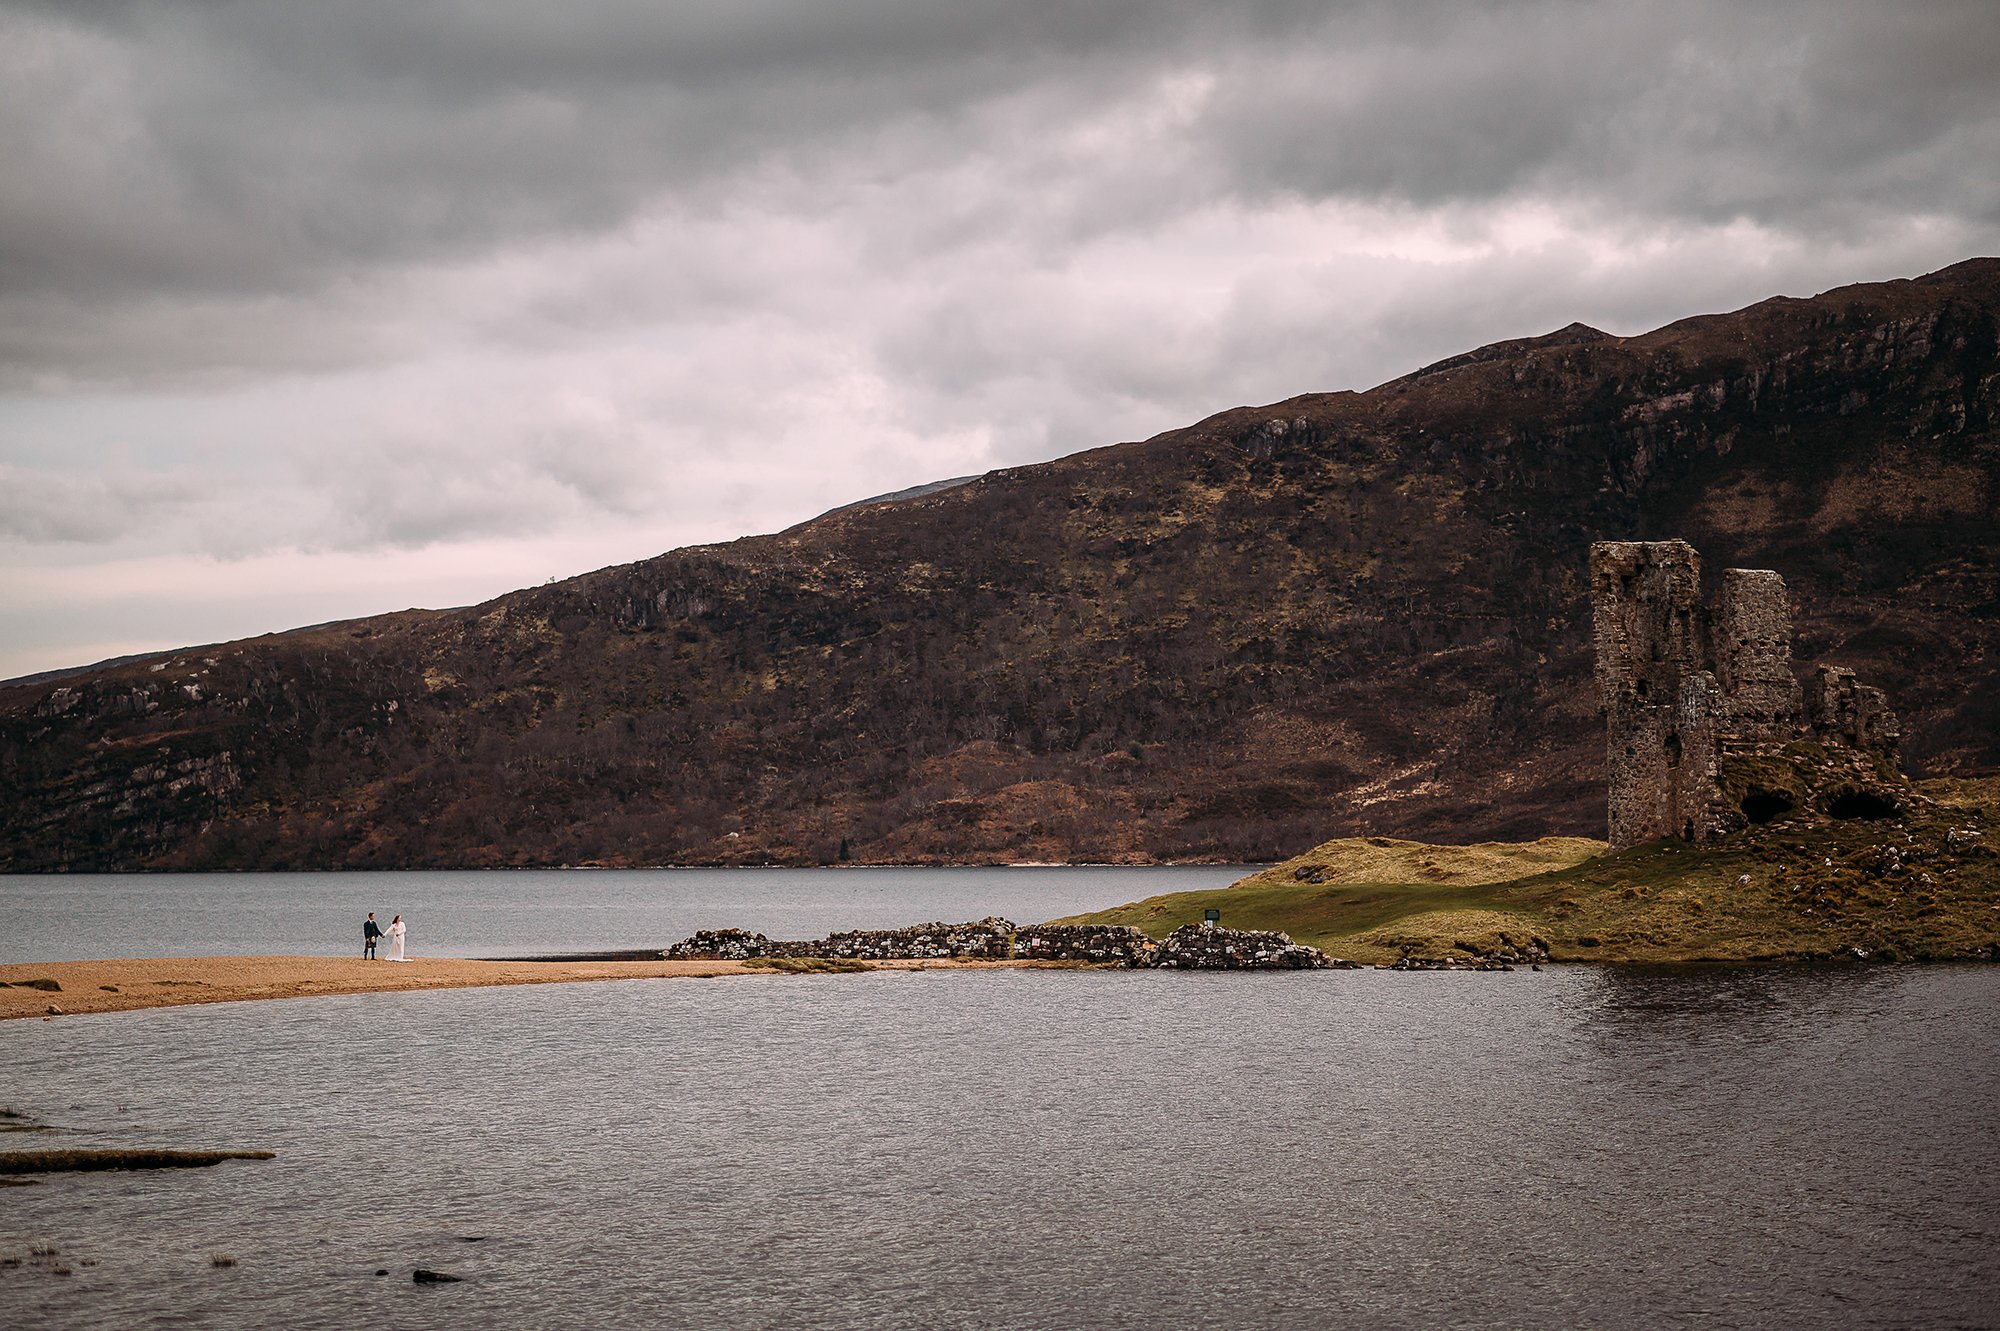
120 986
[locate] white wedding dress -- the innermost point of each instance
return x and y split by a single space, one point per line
396 933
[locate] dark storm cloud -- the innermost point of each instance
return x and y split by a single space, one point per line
228 145
204 151
1779 113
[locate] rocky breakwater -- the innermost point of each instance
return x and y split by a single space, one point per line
719 945
1193 947
990 939
1100 944
1196 947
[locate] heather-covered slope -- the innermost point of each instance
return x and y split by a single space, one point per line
1341 614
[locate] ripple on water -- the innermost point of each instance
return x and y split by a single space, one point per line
1039 1149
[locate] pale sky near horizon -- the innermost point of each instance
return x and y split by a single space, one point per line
316 311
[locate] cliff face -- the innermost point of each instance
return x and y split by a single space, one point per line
1340 614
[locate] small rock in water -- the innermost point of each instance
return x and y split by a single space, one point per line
422 1277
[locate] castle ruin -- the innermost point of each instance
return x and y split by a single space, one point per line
1709 729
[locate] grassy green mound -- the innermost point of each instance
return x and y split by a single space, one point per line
1378 859
1909 887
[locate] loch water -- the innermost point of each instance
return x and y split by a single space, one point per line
535 912
1576 1147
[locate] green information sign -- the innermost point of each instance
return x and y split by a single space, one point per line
1211 916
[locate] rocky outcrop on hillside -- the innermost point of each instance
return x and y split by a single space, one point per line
1343 614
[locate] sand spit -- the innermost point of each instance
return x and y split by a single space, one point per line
121 986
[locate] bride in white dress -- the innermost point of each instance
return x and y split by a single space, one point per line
397 931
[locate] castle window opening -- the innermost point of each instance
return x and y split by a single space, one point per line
1673 750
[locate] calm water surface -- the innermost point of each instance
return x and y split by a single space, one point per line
1037 1149
501 913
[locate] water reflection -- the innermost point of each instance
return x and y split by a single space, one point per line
527 912
1680 1003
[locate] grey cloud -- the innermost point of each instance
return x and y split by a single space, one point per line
293 137
228 156
40 506
1784 113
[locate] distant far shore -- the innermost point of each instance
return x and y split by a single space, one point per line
66 988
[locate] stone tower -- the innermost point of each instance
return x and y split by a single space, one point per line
1752 636
1662 702
1686 690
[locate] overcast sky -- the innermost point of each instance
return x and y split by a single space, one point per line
319 310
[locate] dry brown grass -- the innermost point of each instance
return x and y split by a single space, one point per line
1788 891
1388 860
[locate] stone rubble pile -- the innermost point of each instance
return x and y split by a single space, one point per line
1104 944
1466 963
991 938
1192 947
1503 956
1195 947
719 945
1965 841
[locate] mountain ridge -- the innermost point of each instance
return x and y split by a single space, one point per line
1340 614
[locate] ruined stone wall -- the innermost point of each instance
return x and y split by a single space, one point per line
1700 724
1846 711
1753 655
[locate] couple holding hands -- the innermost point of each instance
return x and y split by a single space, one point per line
371 932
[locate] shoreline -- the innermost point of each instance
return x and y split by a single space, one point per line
137 984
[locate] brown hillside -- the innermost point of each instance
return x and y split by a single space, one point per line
1343 614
